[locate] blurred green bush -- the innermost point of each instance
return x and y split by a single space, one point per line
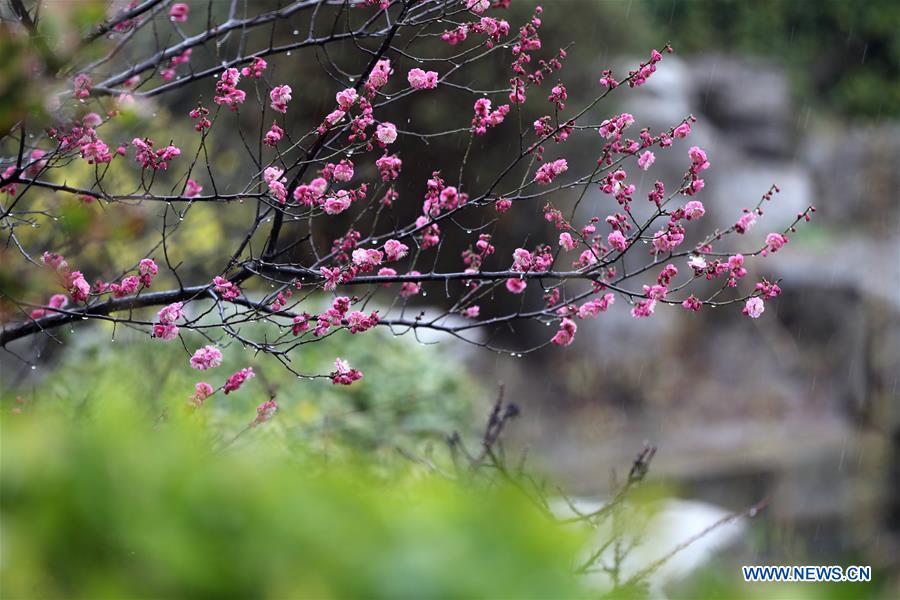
116 506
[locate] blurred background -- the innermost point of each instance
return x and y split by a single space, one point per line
801 406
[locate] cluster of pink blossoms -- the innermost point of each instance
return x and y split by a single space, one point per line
343 374
207 357
150 159
273 178
485 117
227 93
280 96
235 382
422 80
547 172
165 328
255 69
225 289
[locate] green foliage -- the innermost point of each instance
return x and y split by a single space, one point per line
845 55
117 506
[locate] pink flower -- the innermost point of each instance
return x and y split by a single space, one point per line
280 96
78 286
202 391
478 6
343 374
179 12
643 308
691 303
165 331
225 289
338 203
264 412
516 285
754 307
502 205
746 221
205 358
149 158
255 69
617 240
147 269
378 78
566 333
395 250
171 313
646 159
192 189
774 243
226 89
698 158
343 171
82 85
274 135
367 258
566 241
346 98
389 167
592 308
386 133
547 172
128 286
410 288
421 80
237 380
332 278
694 210
682 131
472 312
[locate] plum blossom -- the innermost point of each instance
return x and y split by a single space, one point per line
410 288
82 86
226 289
147 269
346 98
264 412
202 391
746 221
389 167
646 159
192 189
694 210
774 243
255 69
547 172
170 313
566 241
207 357
478 6
395 250
643 308
78 286
593 307
754 307
617 240
386 133
421 80
566 333
280 96
335 205
343 171
273 177
178 13
226 89
516 285
273 136
367 257
237 379
343 374
471 312
691 303
151 159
